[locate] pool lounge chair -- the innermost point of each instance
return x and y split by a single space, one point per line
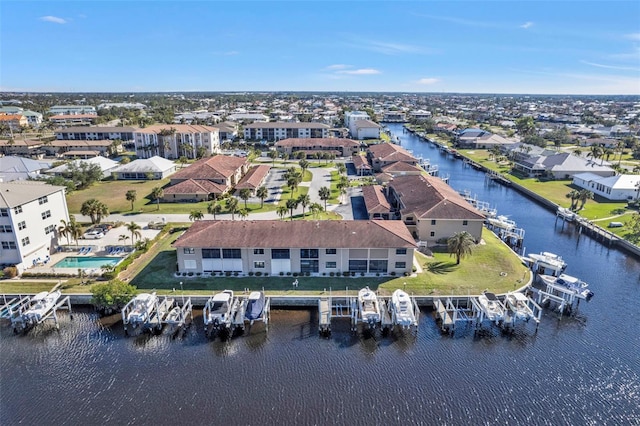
88 250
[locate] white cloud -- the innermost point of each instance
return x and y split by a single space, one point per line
361 71
633 36
428 80
612 67
337 67
526 25
53 19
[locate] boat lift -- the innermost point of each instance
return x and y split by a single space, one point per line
238 319
15 309
563 299
395 321
449 313
155 318
178 315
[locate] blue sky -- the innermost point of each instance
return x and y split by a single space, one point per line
574 47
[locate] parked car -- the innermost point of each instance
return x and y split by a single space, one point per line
103 227
93 234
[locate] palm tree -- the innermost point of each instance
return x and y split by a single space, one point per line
595 152
131 195
64 230
195 215
304 165
134 229
291 206
304 201
262 193
282 211
573 195
214 208
583 196
245 194
70 229
608 152
325 194
460 245
156 194
342 169
95 209
123 238
577 152
273 155
232 206
243 213
315 209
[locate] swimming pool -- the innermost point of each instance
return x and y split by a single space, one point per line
86 262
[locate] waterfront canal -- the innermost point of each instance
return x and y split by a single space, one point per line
583 369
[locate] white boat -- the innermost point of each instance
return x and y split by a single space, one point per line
518 304
369 307
547 263
218 309
502 222
255 306
566 214
40 305
139 309
491 306
568 284
402 308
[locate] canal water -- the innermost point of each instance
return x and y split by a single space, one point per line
577 370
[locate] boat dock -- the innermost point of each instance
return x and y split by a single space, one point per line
153 318
180 316
16 310
448 314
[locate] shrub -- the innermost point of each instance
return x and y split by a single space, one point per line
281 273
190 274
258 274
266 274
295 274
377 274
353 274
393 273
288 274
324 274
198 274
362 274
235 274
346 273
331 274
227 274
251 273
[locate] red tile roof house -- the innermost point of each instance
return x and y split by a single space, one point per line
314 247
383 154
376 202
432 210
206 179
254 178
341 147
362 165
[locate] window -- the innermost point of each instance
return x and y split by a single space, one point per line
9 245
17 209
189 250
330 251
22 225
432 233
309 265
280 254
258 265
401 265
228 253
401 251
5 228
43 200
330 265
46 214
49 229
378 265
465 222
25 241
308 253
433 221
4 212
358 265
258 251
211 253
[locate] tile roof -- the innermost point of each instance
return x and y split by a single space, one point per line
375 200
360 162
285 125
366 124
95 129
67 116
383 151
180 128
297 234
216 167
323 142
195 186
400 166
254 177
430 197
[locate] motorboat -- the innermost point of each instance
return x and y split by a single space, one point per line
40 305
139 309
566 214
547 263
491 306
502 222
518 304
218 309
369 306
402 308
255 306
568 284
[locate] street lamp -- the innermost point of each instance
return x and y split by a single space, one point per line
182 292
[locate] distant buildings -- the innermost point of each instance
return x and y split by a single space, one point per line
248 117
73 119
350 118
337 146
13 121
276 131
14 168
83 133
480 139
153 168
177 140
34 119
366 129
72 110
105 164
30 213
536 161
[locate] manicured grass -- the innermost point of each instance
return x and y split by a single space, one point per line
113 194
286 194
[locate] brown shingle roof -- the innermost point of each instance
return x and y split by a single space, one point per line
375 200
297 234
390 152
360 162
400 166
217 167
254 177
193 186
317 142
430 197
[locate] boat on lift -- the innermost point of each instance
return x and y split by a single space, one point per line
566 214
218 309
255 306
518 304
502 222
568 284
492 307
547 263
139 309
402 308
369 307
39 306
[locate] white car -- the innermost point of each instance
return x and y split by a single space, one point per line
92 235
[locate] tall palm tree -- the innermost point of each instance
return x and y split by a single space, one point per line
291 206
214 208
304 201
245 194
304 165
325 194
95 209
195 215
273 155
583 196
70 229
123 238
232 206
282 211
262 193
134 229
315 209
157 193
131 195
573 195
595 152
243 213
64 230
460 245
342 169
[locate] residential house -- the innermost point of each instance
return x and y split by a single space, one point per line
105 164
30 213
254 178
315 247
34 119
432 210
366 129
560 165
22 147
480 139
145 168
82 148
383 154
362 166
276 131
350 118
394 117
177 140
95 133
13 121
14 168
376 202
612 188
338 146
